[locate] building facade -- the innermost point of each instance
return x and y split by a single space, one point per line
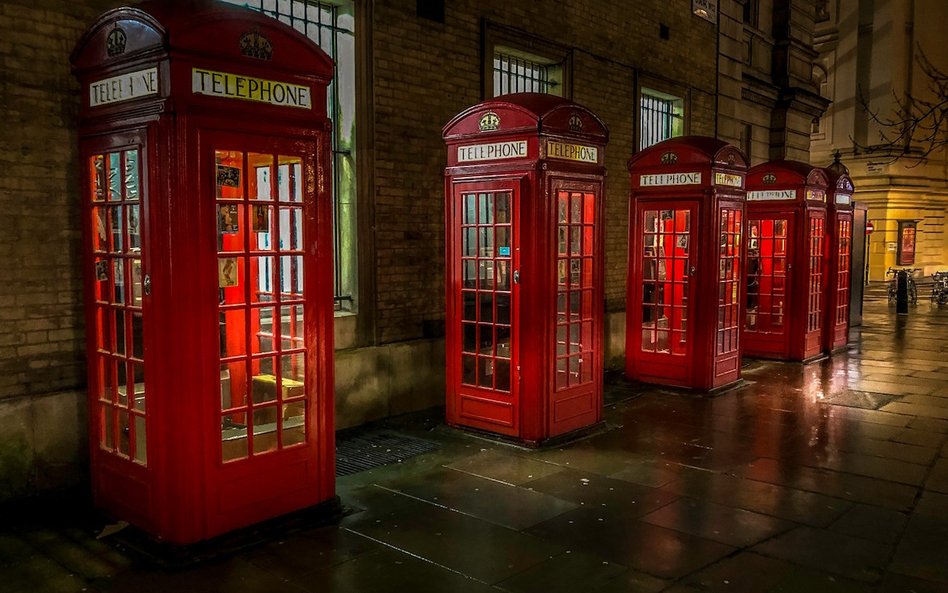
740 70
905 190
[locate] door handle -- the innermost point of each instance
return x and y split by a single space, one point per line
516 276
146 284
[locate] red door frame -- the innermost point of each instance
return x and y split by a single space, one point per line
487 409
774 344
577 406
249 490
667 369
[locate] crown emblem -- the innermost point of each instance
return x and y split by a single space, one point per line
770 179
255 45
575 123
115 42
489 122
669 158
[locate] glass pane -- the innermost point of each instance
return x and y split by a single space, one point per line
485 372
503 342
485 210
503 308
100 238
485 241
131 175
503 208
261 269
576 209
141 440
118 322
233 332
118 286
264 429
468 369
136 269
469 274
115 225
138 381
294 423
291 229
138 340
229 174
469 242
651 221
234 436
108 427
233 384
502 371
589 214
228 223
469 341
97 176
503 276
261 217
229 278
261 330
263 386
293 370
261 179
485 339
134 236
292 328
469 215
486 273
124 442
291 276
290 179
469 303
115 177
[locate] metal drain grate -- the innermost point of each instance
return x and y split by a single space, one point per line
359 452
867 400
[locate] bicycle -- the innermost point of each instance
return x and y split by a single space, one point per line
940 288
893 284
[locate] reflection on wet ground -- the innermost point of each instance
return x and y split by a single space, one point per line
828 477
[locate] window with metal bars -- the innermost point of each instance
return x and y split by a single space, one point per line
520 73
331 25
661 116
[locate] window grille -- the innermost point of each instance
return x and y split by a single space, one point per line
662 118
331 25
516 74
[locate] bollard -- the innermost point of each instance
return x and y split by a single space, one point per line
901 293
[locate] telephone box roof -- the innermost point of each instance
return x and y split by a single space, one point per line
689 150
538 113
787 173
204 27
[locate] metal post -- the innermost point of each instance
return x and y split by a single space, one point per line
901 293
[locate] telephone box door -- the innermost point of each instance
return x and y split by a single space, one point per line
768 298
482 342
816 223
266 390
664 296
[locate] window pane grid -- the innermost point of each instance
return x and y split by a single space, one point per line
575 293
666 276
661 119
729 282
486 264
332 27
514 74
766 276
260 213
843 272
119 328
815 284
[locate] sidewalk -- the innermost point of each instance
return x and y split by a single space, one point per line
829 477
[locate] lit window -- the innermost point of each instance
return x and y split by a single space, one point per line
662 117
331 25
520 72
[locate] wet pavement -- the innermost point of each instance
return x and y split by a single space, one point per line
827 477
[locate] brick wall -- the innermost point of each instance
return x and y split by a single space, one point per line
41 334
426 72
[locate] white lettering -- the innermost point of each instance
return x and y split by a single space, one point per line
125 87
572 152
843 198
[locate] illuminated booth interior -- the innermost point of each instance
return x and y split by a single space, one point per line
685 244
523 219
204 144
786 233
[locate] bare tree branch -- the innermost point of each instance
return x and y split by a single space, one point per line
919 127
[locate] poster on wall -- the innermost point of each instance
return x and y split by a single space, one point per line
261 219
227 272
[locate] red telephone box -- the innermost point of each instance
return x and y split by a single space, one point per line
524 269
204 147
685 230
786 228
839 238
